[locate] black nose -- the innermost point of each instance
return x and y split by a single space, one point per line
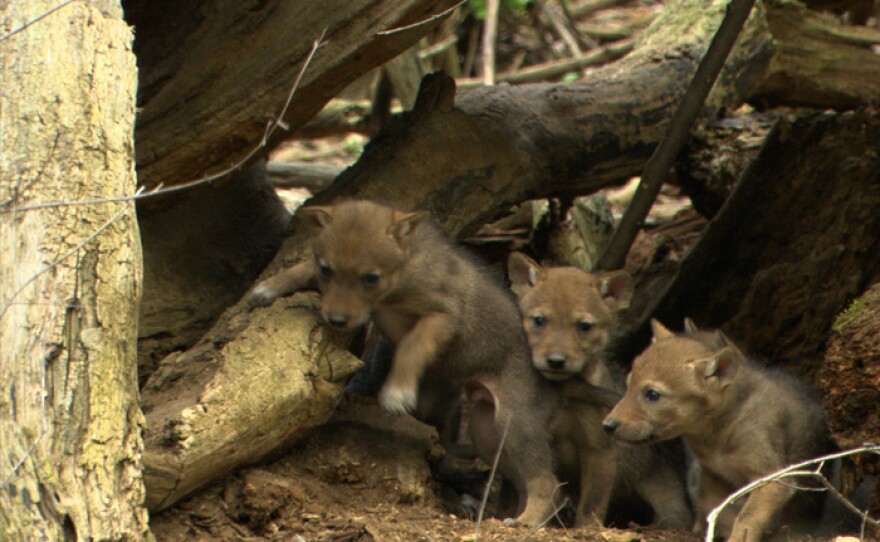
556 361
337 320
610 425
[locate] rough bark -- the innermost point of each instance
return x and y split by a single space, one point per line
499 146
717 155
850 379
813 60
69 277
202 61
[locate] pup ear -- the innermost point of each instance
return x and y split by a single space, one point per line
720 340
315 218
403 223
617 289
690 327
721 364
660 331
523 271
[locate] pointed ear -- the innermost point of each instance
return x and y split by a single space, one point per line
721 364
523 271
315 218
660 331
617 289
690 327
403 224
720 340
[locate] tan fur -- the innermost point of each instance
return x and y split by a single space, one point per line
451 324
569 316
740 421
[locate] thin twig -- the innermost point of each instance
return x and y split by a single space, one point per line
22 460
614 255
789 472
70 253
430 19
34 21
495 462
161 190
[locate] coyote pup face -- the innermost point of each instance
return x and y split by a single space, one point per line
355 276
672 385
567 314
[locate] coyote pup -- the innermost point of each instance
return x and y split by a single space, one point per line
569 316
740 421
452 326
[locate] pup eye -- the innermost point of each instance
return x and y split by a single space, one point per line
370 279
584 327
539 321
652 395
325 270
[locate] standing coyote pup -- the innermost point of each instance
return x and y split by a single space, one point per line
452 327
569 316
740 421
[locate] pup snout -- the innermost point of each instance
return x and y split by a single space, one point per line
556 361
610 425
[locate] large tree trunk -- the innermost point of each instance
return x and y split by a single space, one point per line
466 163
70 422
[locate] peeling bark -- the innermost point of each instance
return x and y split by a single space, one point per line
69 278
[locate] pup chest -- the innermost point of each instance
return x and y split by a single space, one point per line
580 425
731 466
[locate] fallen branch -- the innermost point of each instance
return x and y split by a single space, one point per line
314 177
556 68
490 32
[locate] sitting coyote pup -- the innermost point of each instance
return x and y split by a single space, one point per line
451 324
740 421
569 316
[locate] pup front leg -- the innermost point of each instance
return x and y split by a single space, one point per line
415 351
758 512
711 491
598 471
298 277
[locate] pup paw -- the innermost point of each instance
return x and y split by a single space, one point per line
262 296
399 400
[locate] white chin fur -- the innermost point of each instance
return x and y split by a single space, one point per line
399 400
556 376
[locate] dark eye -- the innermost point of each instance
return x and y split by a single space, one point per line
652 395
539 321
584 327
325 270
370 279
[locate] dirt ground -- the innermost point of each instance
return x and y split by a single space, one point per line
365 476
